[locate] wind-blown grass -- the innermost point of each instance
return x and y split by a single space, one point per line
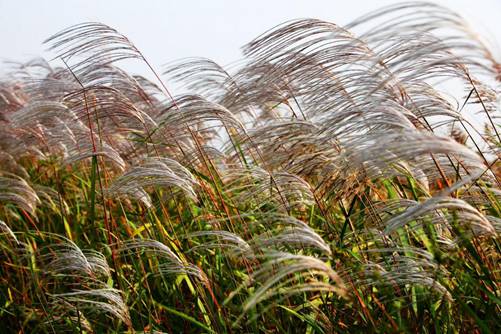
330 183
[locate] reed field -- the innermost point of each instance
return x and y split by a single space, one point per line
335 179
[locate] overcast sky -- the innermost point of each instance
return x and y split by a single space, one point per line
169 30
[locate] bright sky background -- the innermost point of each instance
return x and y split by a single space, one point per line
168 30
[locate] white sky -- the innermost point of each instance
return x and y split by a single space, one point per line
168 30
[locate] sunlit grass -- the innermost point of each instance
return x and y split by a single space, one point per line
326 185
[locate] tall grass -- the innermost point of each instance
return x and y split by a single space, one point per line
330 183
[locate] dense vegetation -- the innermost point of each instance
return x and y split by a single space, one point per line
338 179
